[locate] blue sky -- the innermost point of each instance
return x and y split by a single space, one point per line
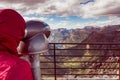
87 1
70 21
68 13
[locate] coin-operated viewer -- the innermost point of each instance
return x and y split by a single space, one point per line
35 43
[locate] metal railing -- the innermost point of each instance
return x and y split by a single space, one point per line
81 61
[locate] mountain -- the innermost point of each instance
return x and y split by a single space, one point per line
71 35
89 35
108 34
59 35
104 37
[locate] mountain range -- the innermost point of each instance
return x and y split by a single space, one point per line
95 38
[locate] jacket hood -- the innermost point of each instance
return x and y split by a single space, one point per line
12 27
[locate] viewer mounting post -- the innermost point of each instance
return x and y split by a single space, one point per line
35 43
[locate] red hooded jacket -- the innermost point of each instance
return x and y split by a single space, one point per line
12 27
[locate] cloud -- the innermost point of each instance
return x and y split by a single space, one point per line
43 7
101 8
51 19
35 18
27 2
61 24
110 21
97 8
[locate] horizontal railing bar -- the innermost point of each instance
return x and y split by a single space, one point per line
81 78
79 68
84 49
75 62
82 55
89 43
81 74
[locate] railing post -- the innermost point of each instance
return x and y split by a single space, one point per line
55 63
119 67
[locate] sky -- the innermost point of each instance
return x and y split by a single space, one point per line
67 13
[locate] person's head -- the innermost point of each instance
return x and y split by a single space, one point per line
12 27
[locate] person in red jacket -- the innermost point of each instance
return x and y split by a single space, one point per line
12 27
